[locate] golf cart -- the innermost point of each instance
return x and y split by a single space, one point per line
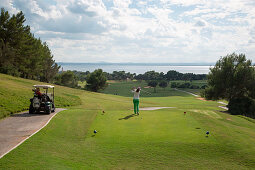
42 101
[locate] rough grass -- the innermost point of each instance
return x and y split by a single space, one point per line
15 94
159 139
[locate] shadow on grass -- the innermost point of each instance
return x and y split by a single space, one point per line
127 117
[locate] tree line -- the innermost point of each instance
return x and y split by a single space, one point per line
21 54
71 78
170 75
94 80
153 75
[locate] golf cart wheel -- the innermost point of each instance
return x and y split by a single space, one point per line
48 110
53 108
31 110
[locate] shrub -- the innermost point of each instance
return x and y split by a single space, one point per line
163 84
184 85
174 85
154 84
202 93
242 106
194 87
204 87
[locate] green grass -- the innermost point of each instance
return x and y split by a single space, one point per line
15 94
160 139
194 82
123 88
199 83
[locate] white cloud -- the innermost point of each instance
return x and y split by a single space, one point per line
122 3
139 31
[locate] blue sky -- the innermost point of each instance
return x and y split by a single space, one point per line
162 31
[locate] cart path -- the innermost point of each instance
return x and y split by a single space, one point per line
17 128
187 92
223 107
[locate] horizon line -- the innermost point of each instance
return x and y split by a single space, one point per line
176 63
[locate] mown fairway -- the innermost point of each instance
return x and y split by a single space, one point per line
123 88
160 139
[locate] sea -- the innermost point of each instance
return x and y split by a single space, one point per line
138 68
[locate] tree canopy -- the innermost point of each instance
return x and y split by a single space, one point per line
96 80
232 76
67 78
233 79
21 54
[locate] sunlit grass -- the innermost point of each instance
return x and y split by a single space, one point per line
15 94
159 139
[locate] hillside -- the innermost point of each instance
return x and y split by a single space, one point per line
16 92
156 139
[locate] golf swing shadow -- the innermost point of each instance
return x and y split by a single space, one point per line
127 117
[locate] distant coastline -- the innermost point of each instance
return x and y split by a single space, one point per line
150 64
139 68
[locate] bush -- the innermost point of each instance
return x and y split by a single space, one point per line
154 84
194 87
204 87
184 85
163 84
242 106
202 93
174 85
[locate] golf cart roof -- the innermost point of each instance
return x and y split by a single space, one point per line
43 86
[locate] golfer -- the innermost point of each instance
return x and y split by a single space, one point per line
136 99
38 93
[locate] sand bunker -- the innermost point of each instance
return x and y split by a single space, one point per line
200 98
155 108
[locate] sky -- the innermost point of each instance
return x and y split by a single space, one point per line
141 31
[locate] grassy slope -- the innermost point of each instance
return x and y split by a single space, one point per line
155 139
16 92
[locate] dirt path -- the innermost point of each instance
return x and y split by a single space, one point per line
187 92
15 129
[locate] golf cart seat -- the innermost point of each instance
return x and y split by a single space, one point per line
45 98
